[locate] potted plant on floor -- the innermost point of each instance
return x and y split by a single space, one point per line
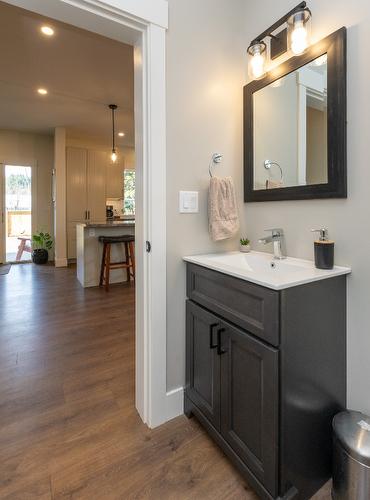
41 244
245 245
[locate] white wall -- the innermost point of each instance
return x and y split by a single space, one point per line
347 220
22 148
60 193
206 67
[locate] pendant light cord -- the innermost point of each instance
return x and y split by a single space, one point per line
113 107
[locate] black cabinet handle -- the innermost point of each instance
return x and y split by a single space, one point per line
220 349
212 345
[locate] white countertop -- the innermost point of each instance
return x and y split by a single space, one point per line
262 269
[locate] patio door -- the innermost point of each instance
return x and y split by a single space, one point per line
16 221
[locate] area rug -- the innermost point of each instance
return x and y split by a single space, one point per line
5 268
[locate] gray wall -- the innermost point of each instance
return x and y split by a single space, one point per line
206 68
206 59
347 220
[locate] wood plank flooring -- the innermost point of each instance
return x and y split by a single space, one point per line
68 426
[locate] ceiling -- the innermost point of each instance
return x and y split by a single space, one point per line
82 71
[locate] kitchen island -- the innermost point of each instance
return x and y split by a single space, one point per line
89 250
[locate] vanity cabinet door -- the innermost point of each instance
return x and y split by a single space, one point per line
203 362
249 402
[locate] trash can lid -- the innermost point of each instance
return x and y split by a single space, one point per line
352 429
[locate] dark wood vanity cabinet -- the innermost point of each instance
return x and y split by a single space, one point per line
266 388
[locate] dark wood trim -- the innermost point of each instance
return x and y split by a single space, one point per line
335 46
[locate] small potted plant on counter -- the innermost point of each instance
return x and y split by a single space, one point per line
41 244
245 245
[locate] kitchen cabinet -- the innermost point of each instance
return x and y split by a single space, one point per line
114 173
86 190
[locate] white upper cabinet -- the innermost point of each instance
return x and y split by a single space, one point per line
96 184
114 172
86 190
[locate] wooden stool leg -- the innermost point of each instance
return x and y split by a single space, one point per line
127 261
101 282
132 257
107 267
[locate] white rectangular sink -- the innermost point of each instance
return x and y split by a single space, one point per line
262 269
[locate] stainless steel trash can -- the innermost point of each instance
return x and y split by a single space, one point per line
351 464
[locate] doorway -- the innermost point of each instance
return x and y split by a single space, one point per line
143 25
17 225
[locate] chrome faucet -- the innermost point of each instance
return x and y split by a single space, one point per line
277 237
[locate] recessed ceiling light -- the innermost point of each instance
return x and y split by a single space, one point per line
121 134
42 91
47 30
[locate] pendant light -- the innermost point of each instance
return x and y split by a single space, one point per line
114 155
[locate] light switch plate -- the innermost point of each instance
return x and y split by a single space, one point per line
188 202
91 232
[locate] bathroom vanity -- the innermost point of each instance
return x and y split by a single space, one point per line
266 365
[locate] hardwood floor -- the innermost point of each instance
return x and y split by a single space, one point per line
68 426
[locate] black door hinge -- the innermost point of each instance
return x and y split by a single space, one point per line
148 247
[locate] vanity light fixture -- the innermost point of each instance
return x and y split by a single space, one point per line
293 35
114 155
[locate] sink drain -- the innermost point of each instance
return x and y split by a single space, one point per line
272 265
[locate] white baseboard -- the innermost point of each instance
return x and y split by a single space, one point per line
61 263
175 403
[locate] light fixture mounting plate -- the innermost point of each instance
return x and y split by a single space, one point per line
279 44
113 106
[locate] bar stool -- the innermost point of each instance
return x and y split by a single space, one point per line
106 264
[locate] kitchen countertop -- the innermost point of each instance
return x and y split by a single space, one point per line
109 223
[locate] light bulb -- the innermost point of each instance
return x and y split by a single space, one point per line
114 156
47 30
257 64
257 60
299 26
299 38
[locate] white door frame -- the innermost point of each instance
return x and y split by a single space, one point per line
143 24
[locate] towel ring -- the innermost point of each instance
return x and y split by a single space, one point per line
268 164
216 158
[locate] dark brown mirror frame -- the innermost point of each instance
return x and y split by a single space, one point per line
335 46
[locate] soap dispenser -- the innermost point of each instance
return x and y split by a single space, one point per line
324 250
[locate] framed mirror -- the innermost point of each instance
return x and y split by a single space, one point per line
295 127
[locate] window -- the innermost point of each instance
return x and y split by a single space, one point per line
129 192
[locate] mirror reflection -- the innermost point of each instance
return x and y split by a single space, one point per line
290 129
